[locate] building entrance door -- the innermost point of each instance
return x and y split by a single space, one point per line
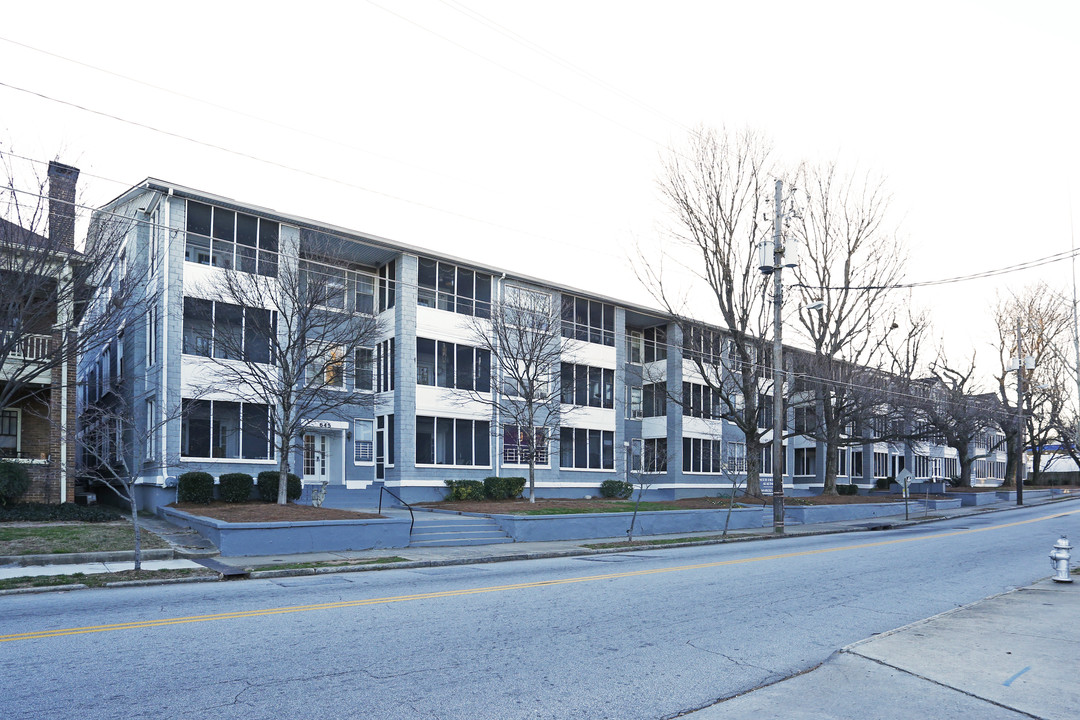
316 457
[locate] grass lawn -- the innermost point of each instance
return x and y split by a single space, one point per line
100 579
47 539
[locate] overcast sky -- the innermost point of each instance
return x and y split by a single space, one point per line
528 136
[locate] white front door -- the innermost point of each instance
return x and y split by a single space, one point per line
316 457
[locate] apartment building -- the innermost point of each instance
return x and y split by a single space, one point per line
38 308
632 404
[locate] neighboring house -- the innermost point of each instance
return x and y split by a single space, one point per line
37 352
622 365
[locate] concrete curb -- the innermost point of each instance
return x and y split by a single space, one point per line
90 557
44 589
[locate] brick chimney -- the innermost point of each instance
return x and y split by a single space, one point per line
62 180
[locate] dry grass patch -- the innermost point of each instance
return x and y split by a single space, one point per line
52 538
268 512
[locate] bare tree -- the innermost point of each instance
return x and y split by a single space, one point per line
852 260
50 283
119 440
1042 317
716 191
523 340
957 415
285 340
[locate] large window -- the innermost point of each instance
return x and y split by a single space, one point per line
700 401
340 289
655 339
518 446
587 386
654 400
705 455
384 366
881 465
364 366
387 285
449 287
588 320
586 449
232 240
220 429
9 433
655 455
453 441
446 364
363 442
703 345
227 331
805 462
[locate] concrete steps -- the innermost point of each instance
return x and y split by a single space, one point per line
448 530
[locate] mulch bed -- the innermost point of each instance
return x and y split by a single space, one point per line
698 503
268 512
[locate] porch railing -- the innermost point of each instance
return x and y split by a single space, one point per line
27 347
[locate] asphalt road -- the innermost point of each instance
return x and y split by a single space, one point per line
637 635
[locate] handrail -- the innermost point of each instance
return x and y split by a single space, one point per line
412 518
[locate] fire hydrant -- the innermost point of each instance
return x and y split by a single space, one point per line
1059 559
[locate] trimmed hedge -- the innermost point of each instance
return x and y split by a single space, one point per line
503 488
235 487
465 490
195 487
14 481
847 489
268 486
616 489
44 512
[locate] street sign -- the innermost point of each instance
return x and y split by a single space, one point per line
904 478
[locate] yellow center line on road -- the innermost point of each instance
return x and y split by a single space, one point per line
141 624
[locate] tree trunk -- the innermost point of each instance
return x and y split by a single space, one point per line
283 473
965 471
753 466
135 524
532 478
831 452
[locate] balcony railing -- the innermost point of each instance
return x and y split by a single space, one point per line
27 347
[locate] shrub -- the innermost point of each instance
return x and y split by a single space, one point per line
616 489
508 488
464 490
42 512
235 487
851 489
268 486
882 483
14 481
195 487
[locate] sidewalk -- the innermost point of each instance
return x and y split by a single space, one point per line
1010 656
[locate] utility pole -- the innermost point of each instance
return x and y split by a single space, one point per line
778 364
1020 363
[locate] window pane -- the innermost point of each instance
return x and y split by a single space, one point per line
581 385
247 230
609 450
226 429
198 218
566 447
483 371
581 317
483 295
609 389
195 440
268 235
594 449
464 367
463 443
595 376
444 441
687 454
257 333
198 326
446 286
567 383
364 370
224 224
581 448
425 440
446 365
365 295
425 361
482 440
228 331
256 432
465 291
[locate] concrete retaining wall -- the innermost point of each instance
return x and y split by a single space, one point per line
969 499
239 539
939 504
832 513
583 526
